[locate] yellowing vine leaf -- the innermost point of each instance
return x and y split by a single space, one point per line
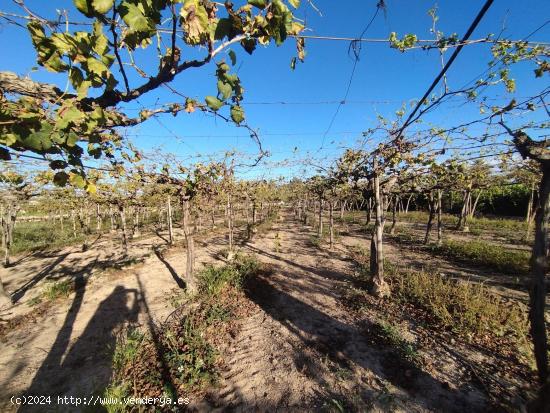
194 22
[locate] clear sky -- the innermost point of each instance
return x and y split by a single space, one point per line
384 78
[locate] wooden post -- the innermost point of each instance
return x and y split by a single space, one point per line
539 268
320 218
439 220
169 214
331 223
379 286
230 222
98 218
432 209
189 267
122 213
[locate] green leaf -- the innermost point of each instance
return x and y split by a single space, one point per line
293 63
223 67
100 42
97 67
60 178
38 141
72 139
8 139
55 64
233 57
108 59
237 114
63 42
102 6
134 17
82 90
261 4
76 77
77 180
213 102
69 116
224 89
83 6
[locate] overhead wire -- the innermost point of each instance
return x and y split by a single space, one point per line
356 47
449 63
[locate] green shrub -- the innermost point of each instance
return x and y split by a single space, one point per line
127 348
212 279
178 355
464 307
315 241
390 334
475 223
497 257
34 236
188 354
58 289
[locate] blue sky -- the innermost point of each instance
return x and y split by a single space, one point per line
384 78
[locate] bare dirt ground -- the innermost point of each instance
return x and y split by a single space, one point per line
301 349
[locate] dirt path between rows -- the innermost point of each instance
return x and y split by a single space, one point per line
66 347
302 350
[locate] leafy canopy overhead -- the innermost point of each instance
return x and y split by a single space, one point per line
65 126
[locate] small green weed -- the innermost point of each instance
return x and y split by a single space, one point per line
315 241
127 348
58 289
277 242
390 334
188 355
179 356
212 279
116 393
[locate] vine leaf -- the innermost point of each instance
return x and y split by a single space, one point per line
194 22
213 102
102 6
134 17
83 7
237 114
77 180
261 4
224 89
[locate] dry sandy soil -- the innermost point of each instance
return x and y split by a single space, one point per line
301 348
66 346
